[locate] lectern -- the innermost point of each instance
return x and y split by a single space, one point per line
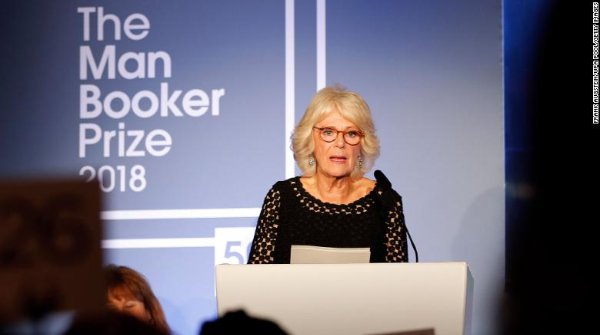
348 299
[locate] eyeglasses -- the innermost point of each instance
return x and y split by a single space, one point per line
351 137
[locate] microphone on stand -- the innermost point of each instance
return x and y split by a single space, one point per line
389 195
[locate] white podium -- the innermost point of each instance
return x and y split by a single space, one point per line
348 299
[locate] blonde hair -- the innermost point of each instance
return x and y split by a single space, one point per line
353 108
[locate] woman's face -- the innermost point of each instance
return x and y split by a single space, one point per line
336 158
128 304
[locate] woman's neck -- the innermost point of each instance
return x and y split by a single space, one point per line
337 190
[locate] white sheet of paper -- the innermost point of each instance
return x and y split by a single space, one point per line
310 254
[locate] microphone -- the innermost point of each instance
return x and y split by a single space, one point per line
382 180
390 197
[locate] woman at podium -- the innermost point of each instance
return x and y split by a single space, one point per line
332 204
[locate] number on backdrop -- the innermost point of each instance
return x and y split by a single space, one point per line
119 178
232 245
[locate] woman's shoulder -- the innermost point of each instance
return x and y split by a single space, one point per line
284 184
366 185
366 182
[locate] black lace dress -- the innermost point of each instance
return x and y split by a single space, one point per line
291 216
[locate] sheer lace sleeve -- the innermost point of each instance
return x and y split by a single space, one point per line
265 236
395 235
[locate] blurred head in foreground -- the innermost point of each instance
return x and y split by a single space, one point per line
129 292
